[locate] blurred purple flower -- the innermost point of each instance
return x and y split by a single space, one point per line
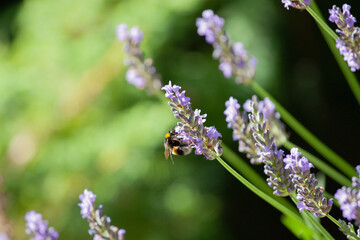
3 236
209 25
87 203
226 69
38 228
134 78
349 199
234 60
141 73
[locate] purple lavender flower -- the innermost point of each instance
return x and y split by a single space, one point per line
132 35
209 25
348 42
87 203
141 73
122 32
310 196
349 200
191 127
3 236
242 133
234 60
38 228
232 111
133 77
343 19
226 69
136 35
99 224
299 4
270 155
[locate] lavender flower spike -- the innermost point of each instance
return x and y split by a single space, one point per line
38 228
234 60
141 72
349 200
310 196
348 42
270 155
239 122
191 127
99 224
299 4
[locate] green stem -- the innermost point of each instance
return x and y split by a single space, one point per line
316 234
314 222
260 193
318 226
243 168
319 20
328 170
334 220
324 150
329 38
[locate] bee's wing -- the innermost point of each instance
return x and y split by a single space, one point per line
166 152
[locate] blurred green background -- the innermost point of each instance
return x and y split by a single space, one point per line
70 121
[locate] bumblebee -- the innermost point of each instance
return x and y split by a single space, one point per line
174 145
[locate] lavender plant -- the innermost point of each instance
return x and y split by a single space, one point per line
270 155
260 127
190 128
310 196
100 226
38 228
348 42
240 124
141 73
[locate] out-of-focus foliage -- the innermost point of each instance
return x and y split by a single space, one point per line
70 121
